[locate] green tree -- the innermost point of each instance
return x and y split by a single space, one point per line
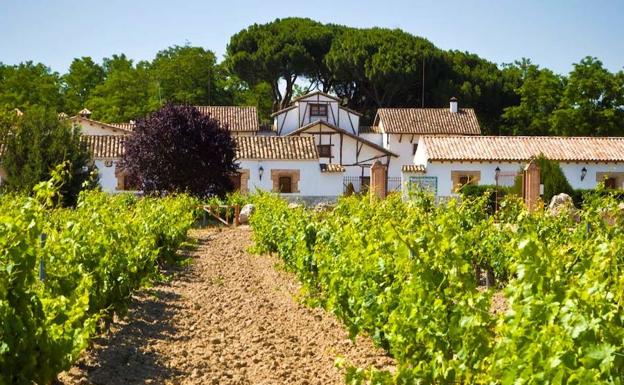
279 53
186 74
540 92
477 83
381 67
592 103
28 84
36 143
126 93
83 76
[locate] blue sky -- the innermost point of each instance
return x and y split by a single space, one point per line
553 33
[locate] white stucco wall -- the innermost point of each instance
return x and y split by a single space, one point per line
88 128
312 181
299 116
403 146
572 171
108 180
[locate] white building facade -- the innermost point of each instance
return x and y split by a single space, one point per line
316 150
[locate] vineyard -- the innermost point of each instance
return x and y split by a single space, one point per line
65 272
410 275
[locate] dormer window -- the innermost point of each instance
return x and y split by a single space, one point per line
318 110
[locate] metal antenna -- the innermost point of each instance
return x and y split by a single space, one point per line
423 83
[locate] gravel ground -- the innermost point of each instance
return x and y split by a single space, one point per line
227 318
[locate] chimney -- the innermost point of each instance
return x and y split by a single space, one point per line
454 105
85 113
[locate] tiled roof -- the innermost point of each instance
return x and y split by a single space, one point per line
428 121
413 168
369 130
331 167
105 146
522 148
237 118
276 147
360 139
124 127
317 92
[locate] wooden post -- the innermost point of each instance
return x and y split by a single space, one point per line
379 181
236 215
531 185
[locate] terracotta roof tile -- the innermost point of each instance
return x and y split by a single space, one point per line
237 118
522 148
331 167
369 130
416 168
104 146
124 126
276 147
428 121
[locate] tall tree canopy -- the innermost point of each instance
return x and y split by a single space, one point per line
266 65
186 74
592 103
126 93
540 92
36 143
177 149
83 76
29 84
279 53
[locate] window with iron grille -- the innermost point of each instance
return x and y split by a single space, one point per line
324 150
318 110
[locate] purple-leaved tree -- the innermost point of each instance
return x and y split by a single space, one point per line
177 149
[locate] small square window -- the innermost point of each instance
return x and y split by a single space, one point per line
324 150
318 110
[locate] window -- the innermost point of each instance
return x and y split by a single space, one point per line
464 180
129 184
461 178
285 184
424 183
324 150
236 181
415 147
610 183
318 110
364 183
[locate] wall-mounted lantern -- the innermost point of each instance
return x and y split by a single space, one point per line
583 173
497 173
260 172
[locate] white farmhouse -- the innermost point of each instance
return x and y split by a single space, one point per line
316 149
445 163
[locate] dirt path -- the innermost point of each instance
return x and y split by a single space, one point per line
228 318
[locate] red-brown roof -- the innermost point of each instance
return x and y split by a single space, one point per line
105 146
415 168
125 128
276 147
331 167
522 148
428 121
236 118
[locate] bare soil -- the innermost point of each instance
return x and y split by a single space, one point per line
228 318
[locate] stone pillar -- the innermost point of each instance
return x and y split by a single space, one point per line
531 185
379 180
